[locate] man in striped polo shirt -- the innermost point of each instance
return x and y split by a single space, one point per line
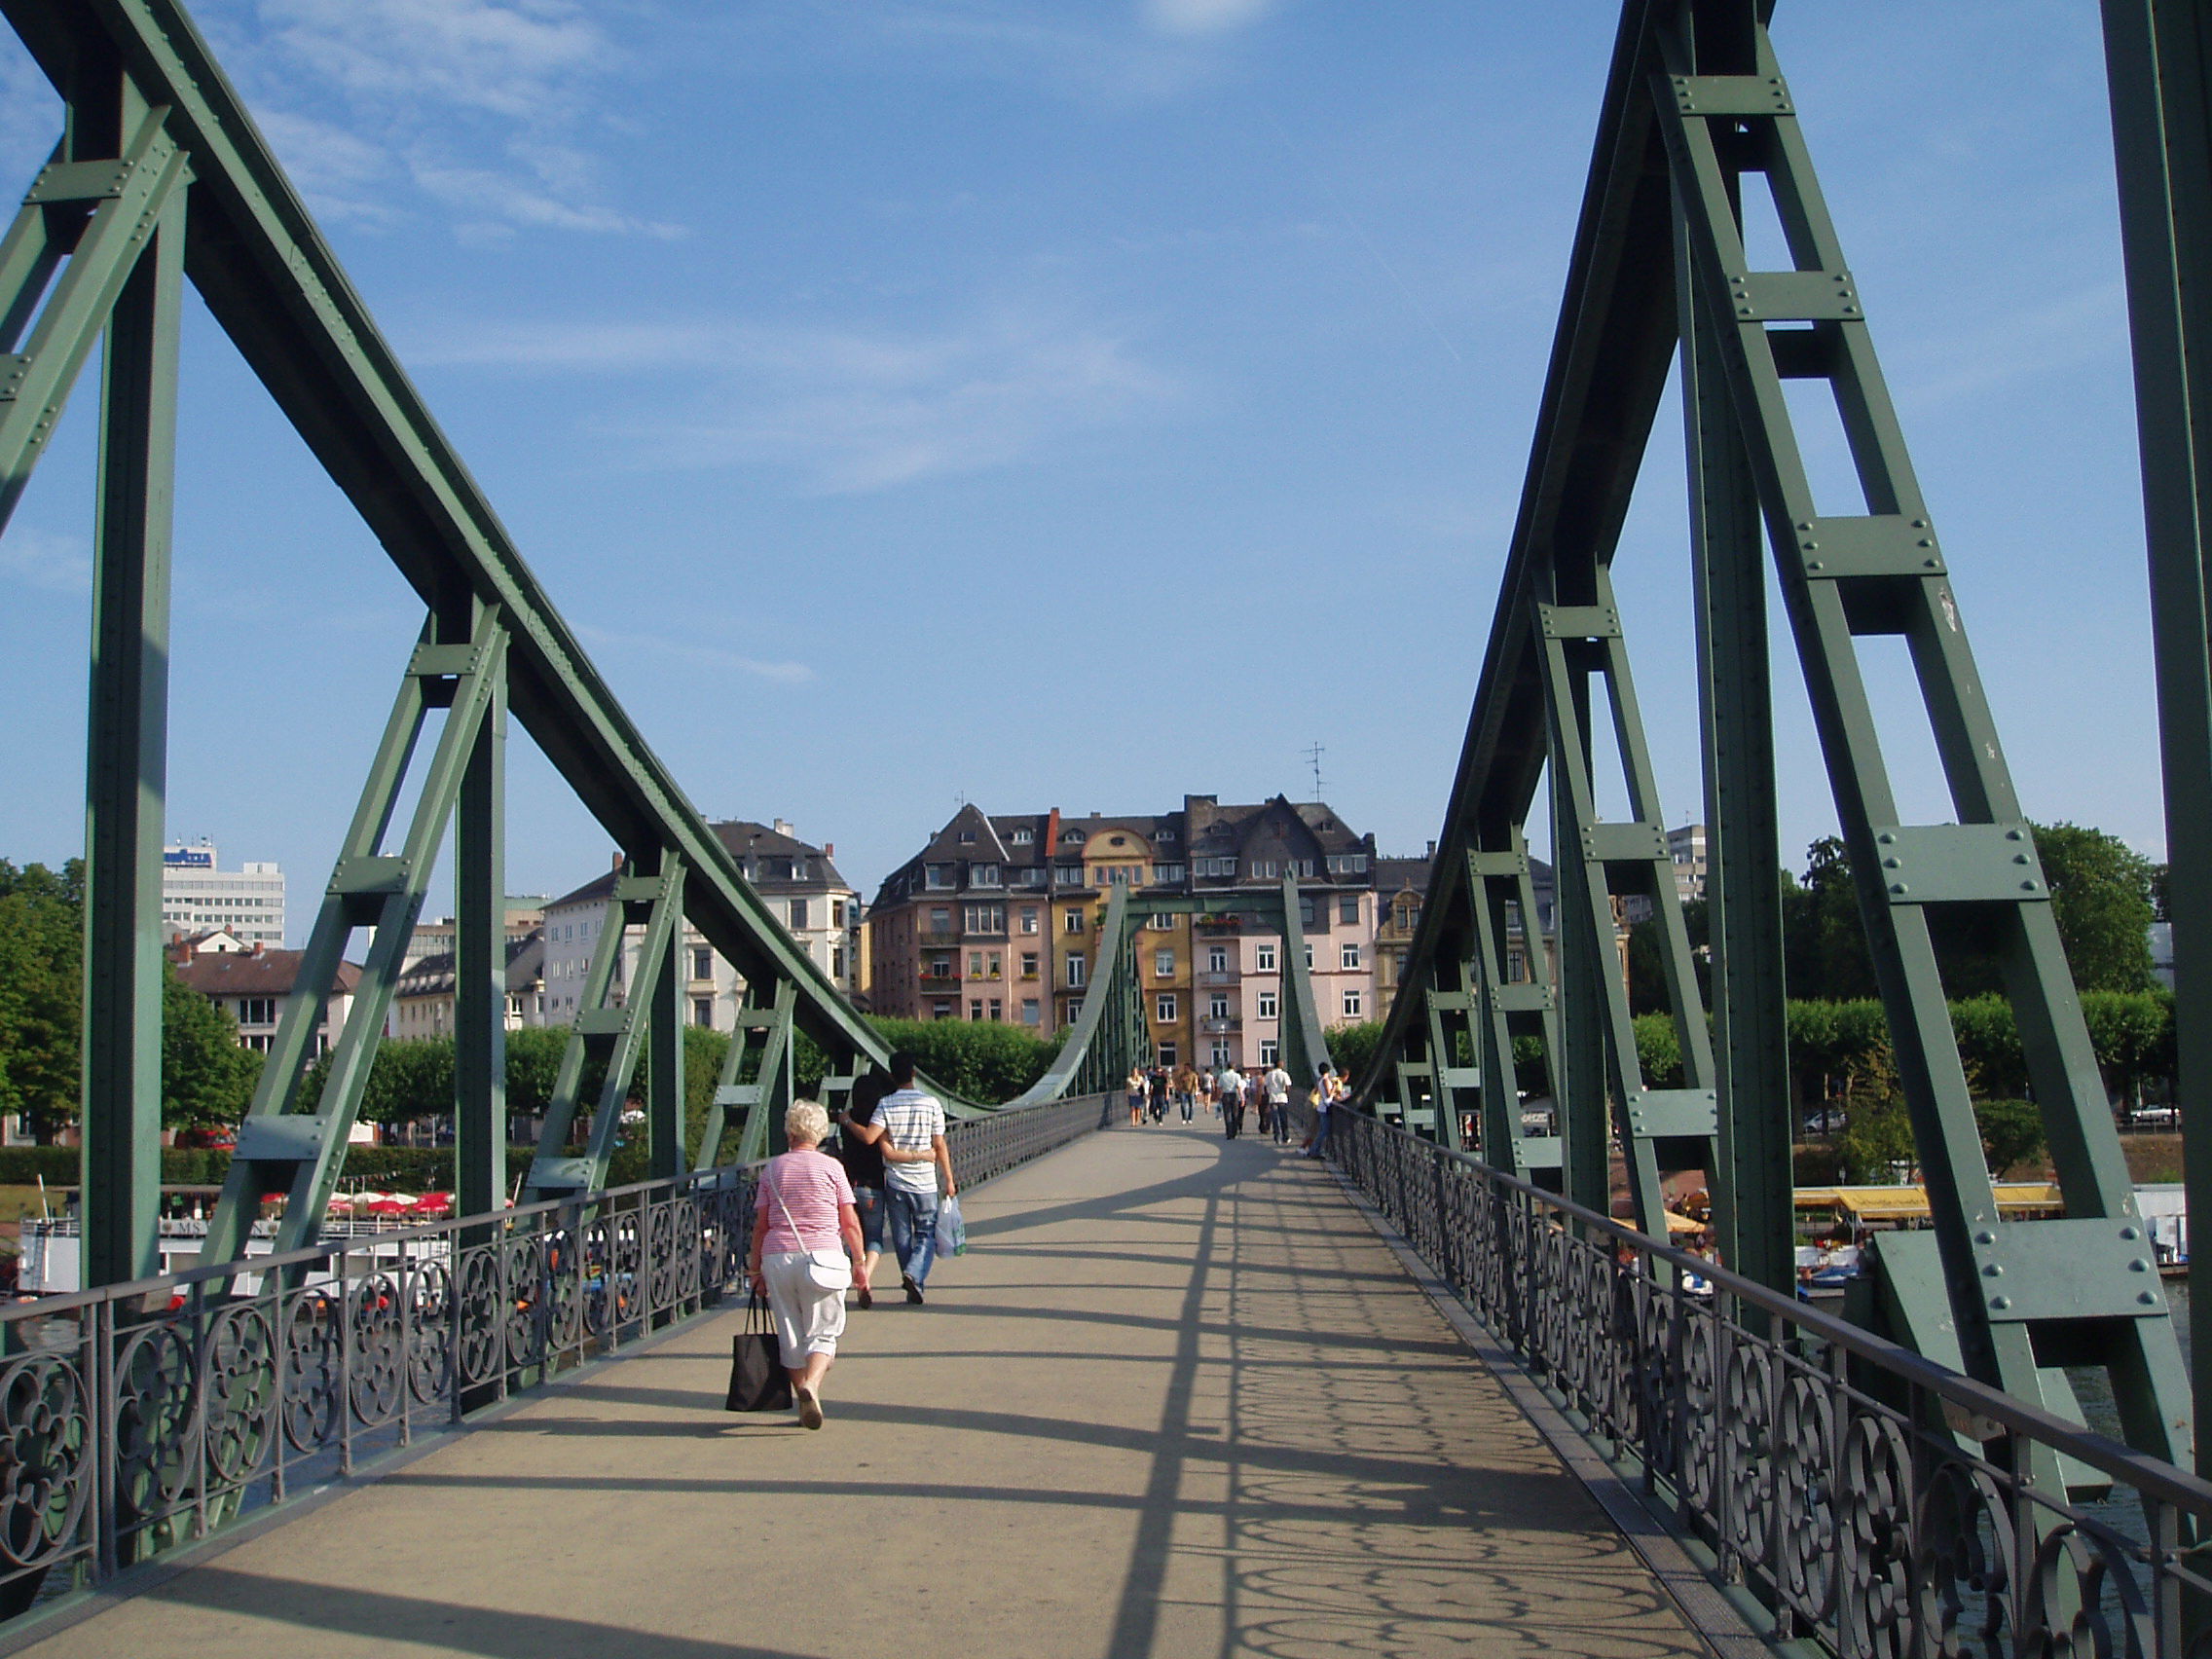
914 1161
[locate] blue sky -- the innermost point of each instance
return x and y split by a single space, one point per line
1066 404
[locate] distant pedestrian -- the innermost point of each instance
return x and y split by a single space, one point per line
1186 1089
1136 1090
1228 1088
802 1217
1277 1083
917 1174
863 1138
1256 1097
1156 1084
1324 1096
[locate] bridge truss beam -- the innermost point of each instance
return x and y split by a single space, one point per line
1697 114
103 242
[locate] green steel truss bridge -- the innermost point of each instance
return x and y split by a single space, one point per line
1961 1356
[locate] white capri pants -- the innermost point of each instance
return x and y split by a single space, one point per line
809 1320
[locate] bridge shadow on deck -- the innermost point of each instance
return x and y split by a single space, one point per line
1176 1400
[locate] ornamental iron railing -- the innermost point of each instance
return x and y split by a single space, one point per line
138 1417
1866 1498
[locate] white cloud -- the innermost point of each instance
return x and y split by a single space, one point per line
468 108
45 560
512 59
1202 17
708 656
853 411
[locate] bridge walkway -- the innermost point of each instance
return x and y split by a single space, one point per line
1178 1399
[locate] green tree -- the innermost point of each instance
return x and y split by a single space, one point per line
207 1078
1877 1135
2011 1133
2102 891
1352 1046
40 994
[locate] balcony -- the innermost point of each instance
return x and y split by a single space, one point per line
1213 1027
1222 980
940 937
932 980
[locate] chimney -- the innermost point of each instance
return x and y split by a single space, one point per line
1432 852
828 849
783 826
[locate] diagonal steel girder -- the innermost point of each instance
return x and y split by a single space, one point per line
279 292
1695 106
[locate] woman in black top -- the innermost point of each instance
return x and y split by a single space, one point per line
861 1141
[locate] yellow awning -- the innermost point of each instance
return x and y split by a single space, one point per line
1910 1204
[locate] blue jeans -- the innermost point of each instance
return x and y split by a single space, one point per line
868 1202
913 1230
1320 1132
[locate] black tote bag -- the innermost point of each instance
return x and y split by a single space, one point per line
758 1379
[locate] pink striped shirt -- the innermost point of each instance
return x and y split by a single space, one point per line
809 1186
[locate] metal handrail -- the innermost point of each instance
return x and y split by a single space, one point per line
138 1417
1862 1495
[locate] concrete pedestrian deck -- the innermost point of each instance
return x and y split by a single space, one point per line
1178 1399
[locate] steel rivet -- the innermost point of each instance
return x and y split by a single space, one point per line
2027 887
1926 541
1890 864
1985 1238
2015 834
2139 1265
1898 887
2001 1303
2148 1298
2129 1233
1995 1270
1814 565
1920 523
1886 839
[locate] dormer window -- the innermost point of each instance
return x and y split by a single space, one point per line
983 874
1164 835
1022 837
1072 837
967 836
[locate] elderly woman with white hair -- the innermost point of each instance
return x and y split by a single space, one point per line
806 1237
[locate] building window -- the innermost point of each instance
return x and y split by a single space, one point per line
966 835
1029 965
1266 869
257 1010
702 963
1306 916
1163 1006
1161 922
702 1011
1348 907
837 962
1310 959
1169 1055
836 912
1069 875
1163 963
1352 1005
1074 923
1072 837
1075 972
798 915
1217 1006
986 918
941 1011
939 876
1219 1056
975 1009
1264 959
1217 959
996 1015
1266 1005
983 875
994 964
974 964
1167 872
940 966
1022 838
1031 1013
1213 867
1347 956
1030 918
1270 1053
941 919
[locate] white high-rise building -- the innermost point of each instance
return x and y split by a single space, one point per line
196 896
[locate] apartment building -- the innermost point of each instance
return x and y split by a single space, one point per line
798 881
198 896
997 917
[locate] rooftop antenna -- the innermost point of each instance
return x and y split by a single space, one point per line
1313 759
